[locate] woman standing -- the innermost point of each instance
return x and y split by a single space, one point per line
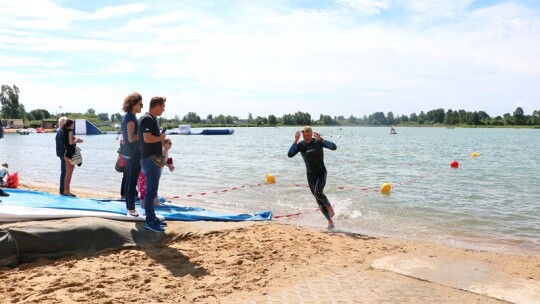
130 149
69 144
61 151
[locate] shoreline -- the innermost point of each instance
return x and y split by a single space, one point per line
115 131
258 262
53 189
460 243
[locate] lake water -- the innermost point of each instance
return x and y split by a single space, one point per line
490 202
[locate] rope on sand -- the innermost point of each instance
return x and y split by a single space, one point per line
293 214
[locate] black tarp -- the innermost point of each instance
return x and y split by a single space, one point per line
9 255
27 241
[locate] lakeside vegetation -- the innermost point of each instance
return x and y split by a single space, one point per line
13 109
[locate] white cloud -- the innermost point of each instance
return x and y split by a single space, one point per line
272 59
369 7
117 11
36 14
119 67
33 62
147 24
39 95
437 8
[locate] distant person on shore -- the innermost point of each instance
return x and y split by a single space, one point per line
130 149
152 159
123 169
70 142
61 151
3 173
311 150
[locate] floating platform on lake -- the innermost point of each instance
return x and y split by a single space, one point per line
186 130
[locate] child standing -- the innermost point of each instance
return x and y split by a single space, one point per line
167 144
141 182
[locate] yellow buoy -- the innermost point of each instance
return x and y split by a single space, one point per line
385 188
474 154
270 179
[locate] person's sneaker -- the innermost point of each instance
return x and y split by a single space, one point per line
153 226
160 222
133 213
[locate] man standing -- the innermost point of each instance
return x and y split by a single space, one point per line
150 143
312 153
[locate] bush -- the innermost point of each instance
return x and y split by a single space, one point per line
33 124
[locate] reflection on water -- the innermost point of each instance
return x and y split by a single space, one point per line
492 198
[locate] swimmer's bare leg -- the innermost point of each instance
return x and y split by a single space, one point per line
330 224
331 214
330 210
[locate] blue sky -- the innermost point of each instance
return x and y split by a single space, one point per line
342 57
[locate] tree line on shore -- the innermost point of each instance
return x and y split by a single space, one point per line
13 109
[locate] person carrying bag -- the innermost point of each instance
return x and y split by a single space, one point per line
120 165
76 159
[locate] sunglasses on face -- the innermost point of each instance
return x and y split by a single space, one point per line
306 131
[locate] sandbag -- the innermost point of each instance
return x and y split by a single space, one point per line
8 250
27 241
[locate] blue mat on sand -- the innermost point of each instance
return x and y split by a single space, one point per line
36 199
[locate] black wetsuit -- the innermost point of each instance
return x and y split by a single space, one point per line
313 156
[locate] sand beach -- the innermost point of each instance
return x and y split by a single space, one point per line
273 262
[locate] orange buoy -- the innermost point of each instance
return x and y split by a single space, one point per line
385 188
454 164
270 179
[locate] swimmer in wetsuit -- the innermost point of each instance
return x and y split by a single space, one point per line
312 153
